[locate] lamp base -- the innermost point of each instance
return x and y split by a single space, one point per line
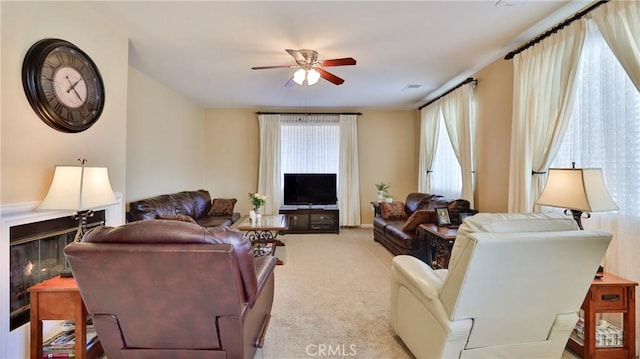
66 274
600 272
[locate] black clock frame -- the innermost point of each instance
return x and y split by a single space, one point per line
31 82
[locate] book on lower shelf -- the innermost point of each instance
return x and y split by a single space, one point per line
62 344
606 335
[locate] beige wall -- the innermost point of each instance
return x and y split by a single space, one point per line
494 97
387 142
232 153
30 148
388 147
165 139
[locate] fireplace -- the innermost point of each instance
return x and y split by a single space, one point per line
36 254
14 343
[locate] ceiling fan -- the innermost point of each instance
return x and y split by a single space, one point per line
310 69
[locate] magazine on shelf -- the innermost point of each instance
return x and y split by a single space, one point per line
64 343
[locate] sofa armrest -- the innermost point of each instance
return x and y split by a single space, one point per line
264 268
418 275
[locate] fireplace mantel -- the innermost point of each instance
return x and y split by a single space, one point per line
15 344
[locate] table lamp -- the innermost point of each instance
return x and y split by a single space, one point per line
79 189
579 190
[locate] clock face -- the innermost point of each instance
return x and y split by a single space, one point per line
63 85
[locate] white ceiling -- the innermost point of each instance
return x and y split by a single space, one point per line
204 50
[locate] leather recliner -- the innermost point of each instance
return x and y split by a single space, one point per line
513 288
172 289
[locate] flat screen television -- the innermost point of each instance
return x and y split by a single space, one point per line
310 189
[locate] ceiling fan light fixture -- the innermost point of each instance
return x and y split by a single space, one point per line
312 77
299 76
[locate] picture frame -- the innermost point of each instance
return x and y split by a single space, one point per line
442 216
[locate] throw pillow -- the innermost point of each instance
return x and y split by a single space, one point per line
417 218
178 217
393 211
222 206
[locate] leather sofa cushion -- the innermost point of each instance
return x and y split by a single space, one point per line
151 208
211 221
178 217
184 204
394 232
416 201
202 200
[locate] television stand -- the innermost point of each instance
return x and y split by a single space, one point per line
312 218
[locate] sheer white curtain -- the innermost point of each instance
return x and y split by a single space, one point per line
446 176
269 176
543 93
458 115
619 24
349 178
604 132
429 129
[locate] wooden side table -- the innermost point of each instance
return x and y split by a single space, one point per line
439 243
610 294
59 298
376 209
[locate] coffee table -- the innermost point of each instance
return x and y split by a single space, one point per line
263 233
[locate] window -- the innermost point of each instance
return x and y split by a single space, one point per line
446 179
309 144
604 132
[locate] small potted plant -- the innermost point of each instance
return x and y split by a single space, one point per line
257 200
382 190
388 197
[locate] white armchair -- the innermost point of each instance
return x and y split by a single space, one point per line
513 289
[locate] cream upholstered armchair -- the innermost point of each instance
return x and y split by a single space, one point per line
513 289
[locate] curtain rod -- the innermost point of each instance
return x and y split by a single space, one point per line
468 80
555 29
308 113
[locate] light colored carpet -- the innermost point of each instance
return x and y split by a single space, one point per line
332 299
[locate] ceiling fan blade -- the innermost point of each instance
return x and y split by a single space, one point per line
272 67
329 76
290 83
297 55
347 61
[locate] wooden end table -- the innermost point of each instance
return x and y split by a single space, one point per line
264 231
438 243
609 294
59 298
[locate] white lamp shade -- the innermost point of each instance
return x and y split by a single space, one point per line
579 189
79 188
299 76
312 77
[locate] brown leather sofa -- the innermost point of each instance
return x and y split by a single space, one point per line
194 204
173 289
399 236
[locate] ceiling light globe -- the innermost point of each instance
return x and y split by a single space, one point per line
298 76
313 76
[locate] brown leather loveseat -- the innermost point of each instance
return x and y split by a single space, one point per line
173 289
395 229
196 205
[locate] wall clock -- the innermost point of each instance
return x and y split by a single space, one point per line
63 85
